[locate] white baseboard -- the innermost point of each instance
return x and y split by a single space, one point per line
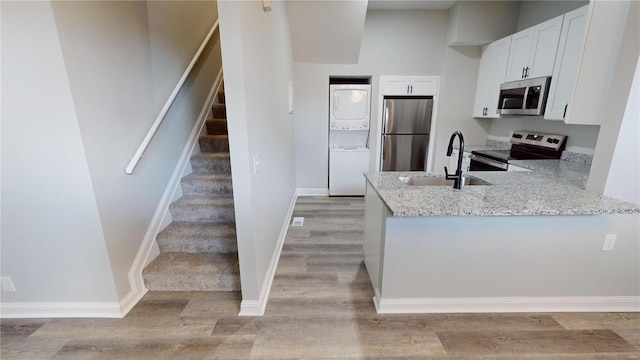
257 307
312 192
60 310
148 249
509 304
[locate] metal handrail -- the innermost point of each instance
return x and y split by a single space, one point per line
156 124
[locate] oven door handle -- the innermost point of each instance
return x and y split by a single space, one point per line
488 161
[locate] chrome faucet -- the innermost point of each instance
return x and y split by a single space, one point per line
458 175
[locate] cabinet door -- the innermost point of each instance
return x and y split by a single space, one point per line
533 51
545 45
519 54
566 65
487 62
491 74
395 87
427 86
498 76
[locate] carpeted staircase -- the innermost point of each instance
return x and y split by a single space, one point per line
198 250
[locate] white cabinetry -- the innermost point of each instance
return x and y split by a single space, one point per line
409 85
493 67
533 51
566 64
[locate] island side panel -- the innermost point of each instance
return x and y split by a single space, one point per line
501 258
374 228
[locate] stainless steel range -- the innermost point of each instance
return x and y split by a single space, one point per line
525 145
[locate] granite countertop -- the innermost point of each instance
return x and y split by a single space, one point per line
511 193
573 172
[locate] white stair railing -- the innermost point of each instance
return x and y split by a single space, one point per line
156 123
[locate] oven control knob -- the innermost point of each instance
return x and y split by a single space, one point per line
333 124
365 124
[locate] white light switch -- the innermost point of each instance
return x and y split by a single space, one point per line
256 164
7 284
609 242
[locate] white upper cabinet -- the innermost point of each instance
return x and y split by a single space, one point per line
409 85
566 63
533 51
493 68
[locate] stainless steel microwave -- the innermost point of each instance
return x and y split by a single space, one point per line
524 97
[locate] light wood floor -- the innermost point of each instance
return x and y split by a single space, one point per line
320 308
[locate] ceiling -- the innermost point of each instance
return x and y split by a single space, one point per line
410 4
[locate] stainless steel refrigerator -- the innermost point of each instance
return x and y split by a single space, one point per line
405 133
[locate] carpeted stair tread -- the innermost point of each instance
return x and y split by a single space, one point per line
214 143
193 272
203 209
193 238
207 184
217 127
211 162
219 111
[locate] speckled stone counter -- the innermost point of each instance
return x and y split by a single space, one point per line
511 193
573 172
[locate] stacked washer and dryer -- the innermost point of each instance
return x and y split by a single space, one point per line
349 120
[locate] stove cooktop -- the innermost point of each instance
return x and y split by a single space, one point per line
528 145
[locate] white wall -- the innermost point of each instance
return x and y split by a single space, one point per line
613 101
122 64
395 42
623 181
256 52
533 12
313 41
457 96
87 79
52 240
481 22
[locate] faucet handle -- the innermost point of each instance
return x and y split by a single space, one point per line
447 175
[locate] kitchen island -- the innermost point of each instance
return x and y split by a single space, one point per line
530 241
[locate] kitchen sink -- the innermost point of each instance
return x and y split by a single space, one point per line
422 180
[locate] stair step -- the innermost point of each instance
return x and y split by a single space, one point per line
203 209
214 143
221 97
193 272
217 163
193 238
217 127
207 185
219 111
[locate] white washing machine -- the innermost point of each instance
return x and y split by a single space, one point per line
346 167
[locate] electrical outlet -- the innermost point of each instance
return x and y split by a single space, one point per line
256 164
7 284
609 242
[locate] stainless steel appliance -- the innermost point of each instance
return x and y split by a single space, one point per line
405 133
524 97
526 145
